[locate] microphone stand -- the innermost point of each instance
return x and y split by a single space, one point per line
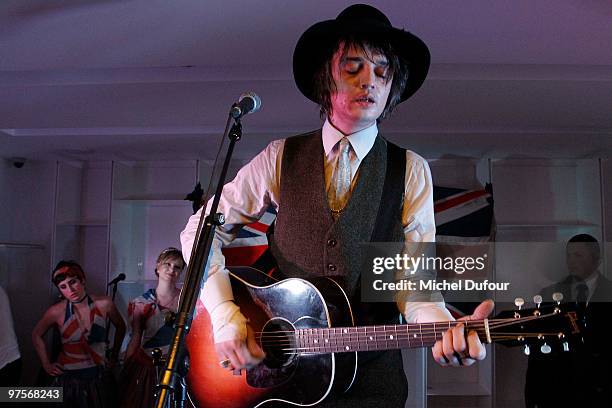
107 342
172 384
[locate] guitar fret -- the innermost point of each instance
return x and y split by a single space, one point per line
409 336
337 339
347 332
406 332
397 344
326 340
363 339
312 334
346 337
421 333
375 340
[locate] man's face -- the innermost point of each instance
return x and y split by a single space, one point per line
580 260
362 88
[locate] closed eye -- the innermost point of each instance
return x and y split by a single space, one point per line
381 71
352 66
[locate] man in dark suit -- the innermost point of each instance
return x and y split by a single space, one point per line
581 377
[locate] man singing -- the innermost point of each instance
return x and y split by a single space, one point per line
338 187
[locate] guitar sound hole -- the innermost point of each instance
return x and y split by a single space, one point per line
278 341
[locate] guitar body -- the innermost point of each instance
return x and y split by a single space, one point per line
274 309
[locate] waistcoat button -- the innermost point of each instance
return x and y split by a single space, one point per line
332 267
331 242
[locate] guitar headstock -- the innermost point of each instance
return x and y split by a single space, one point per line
553 326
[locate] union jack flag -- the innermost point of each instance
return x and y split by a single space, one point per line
251 242
463 215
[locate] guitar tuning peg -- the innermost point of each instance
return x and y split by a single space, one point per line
526 350
545 349
537 299
519 302
557 297
565 346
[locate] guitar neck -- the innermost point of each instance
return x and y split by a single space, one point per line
380 337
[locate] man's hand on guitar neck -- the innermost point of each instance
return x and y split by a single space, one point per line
234 338
455 348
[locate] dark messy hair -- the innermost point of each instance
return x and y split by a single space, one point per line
324 85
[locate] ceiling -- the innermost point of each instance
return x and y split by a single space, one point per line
154 79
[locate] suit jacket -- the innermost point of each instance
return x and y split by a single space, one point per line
583 376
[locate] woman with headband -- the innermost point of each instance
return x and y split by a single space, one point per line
81 320
151 318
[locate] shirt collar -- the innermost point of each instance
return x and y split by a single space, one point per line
361 141
591 281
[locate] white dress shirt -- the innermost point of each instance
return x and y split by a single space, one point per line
257 186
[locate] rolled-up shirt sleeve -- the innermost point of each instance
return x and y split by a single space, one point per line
420 226
243 200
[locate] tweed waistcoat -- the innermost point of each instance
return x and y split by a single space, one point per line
307 241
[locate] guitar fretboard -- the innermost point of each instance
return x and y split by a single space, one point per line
370 338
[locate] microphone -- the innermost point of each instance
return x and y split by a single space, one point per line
118 279
248 102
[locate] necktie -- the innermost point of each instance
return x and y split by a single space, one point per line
341 179
582 293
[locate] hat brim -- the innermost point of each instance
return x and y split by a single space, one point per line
317 45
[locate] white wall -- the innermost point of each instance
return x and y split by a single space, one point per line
26 211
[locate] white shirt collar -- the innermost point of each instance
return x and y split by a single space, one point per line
361 141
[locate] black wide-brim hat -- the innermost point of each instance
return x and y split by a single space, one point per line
317 45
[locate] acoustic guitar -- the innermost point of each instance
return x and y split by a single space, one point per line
306 329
